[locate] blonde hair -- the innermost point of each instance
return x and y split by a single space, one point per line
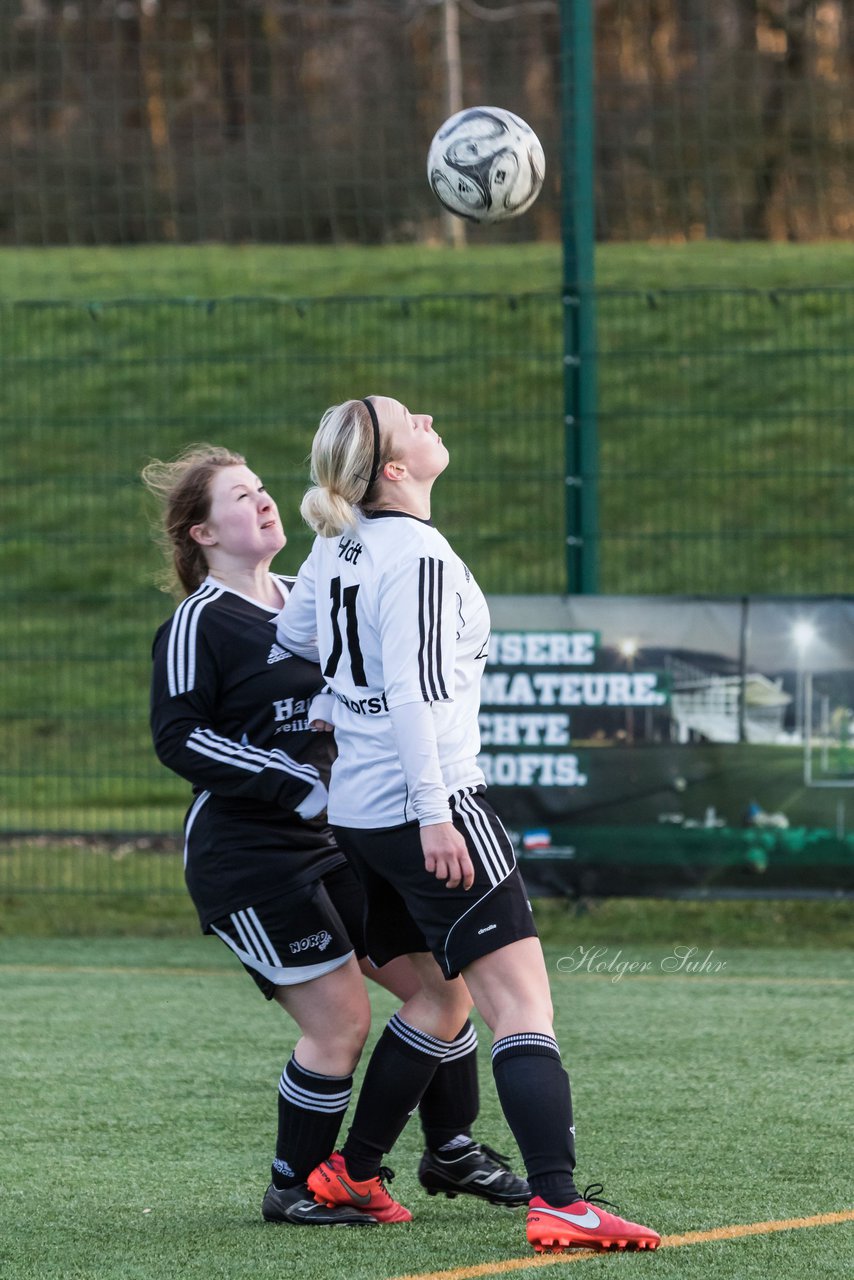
182 487
342 455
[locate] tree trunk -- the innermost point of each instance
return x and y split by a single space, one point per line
783 87
158 122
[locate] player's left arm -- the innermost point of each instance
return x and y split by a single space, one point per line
417 621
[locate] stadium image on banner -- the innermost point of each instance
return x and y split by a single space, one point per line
667 745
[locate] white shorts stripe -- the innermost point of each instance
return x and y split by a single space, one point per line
255 937
483 838
486 845
470 802
264 936
281 975
249 938
244 938
476 846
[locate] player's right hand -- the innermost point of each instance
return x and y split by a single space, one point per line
446 855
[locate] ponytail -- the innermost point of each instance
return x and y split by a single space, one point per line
342 468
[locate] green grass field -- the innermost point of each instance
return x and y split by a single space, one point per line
139 1082
305 271
720 414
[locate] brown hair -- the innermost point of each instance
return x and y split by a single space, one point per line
183 489
342 455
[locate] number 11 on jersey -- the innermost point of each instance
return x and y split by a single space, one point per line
347 599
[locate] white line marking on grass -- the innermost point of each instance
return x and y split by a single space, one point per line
734 1232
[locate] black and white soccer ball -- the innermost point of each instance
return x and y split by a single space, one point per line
486 164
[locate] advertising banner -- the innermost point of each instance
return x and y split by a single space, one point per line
673 744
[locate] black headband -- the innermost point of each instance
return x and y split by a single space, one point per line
375 464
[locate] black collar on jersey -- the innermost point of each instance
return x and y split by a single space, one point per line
383 513
375 464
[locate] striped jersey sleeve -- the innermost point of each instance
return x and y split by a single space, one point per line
417 621
181 648
431 584
186 715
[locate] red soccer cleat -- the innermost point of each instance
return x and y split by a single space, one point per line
584 1225
331 1184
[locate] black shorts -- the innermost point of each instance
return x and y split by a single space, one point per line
299 936
409 910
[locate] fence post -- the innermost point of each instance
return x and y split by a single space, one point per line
579 302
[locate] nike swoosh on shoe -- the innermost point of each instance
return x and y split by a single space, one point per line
362 1198
589 1220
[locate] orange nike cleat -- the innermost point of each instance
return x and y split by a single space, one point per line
584 1225
331 1184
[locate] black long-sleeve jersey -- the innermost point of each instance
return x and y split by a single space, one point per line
229 712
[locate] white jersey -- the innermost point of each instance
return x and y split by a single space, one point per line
395 618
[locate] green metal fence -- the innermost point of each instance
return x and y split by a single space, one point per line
726 449
310 122
726 465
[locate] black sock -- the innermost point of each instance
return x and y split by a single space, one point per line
401 1067
533 1089
311 1109
451 1100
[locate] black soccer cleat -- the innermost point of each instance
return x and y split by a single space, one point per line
297 1206
473 1170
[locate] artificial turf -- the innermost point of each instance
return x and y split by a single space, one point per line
138 1103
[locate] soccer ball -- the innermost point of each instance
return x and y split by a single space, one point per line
486 165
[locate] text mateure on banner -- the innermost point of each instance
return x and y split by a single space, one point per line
654 743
